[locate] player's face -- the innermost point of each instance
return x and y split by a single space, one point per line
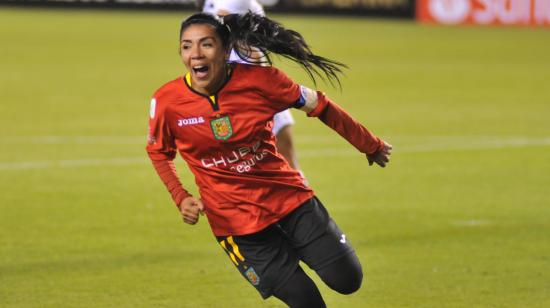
203 54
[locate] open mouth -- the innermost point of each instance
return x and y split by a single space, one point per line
200 70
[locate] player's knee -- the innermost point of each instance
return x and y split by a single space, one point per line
351 284
344 276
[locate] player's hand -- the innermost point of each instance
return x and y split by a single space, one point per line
382 156
190 209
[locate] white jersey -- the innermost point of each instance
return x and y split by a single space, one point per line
233 7
283 118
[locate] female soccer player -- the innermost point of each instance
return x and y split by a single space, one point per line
282 121
219 118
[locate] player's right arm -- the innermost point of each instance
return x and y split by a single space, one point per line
190 208
162 151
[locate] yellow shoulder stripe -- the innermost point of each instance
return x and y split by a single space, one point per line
188 79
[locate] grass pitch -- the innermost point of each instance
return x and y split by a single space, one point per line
460 218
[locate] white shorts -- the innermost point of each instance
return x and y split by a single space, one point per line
282 119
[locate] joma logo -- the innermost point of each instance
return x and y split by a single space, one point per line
190 121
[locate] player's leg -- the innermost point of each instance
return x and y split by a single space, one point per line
344 275
323 246
270 264
300 291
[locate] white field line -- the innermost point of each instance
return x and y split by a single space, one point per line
300 139
472 223
435 144
45 140
119 161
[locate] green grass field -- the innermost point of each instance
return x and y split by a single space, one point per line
460 218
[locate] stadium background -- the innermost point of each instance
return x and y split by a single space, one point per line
459 219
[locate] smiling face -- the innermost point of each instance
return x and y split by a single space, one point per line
205 58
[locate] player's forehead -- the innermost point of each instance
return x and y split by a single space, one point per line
198 32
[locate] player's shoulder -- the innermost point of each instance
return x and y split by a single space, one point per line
169 89
258 72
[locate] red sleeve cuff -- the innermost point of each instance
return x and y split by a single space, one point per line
321 104
167 173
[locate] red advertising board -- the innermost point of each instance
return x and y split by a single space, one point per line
485 12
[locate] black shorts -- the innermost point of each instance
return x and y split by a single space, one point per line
268 258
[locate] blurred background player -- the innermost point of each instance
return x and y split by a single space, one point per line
282 121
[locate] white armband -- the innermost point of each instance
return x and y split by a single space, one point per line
308 99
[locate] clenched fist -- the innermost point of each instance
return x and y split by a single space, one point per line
190 209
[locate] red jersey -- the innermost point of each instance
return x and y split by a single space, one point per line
227 142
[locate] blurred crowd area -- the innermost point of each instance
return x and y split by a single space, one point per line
384 8
533 13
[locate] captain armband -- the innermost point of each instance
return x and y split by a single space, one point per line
308 99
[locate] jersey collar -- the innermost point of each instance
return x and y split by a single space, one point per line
212 98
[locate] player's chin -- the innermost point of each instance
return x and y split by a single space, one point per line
201 82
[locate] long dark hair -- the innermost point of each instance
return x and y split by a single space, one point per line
244 33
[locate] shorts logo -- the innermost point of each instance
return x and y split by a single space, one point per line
252 276
222 128
343 239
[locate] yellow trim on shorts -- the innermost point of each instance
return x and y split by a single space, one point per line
222 243
235 248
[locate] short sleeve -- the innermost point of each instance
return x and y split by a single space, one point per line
160 141
279 89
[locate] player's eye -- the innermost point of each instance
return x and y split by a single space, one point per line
185 46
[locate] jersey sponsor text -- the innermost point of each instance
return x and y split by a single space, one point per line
240 160
190 121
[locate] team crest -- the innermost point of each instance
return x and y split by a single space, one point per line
252 276
222 128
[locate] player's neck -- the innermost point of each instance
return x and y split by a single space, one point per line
215 85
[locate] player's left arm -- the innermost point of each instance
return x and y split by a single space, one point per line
316 104
284 93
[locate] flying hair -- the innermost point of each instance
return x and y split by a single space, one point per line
251 32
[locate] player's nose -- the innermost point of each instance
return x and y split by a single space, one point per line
196 52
